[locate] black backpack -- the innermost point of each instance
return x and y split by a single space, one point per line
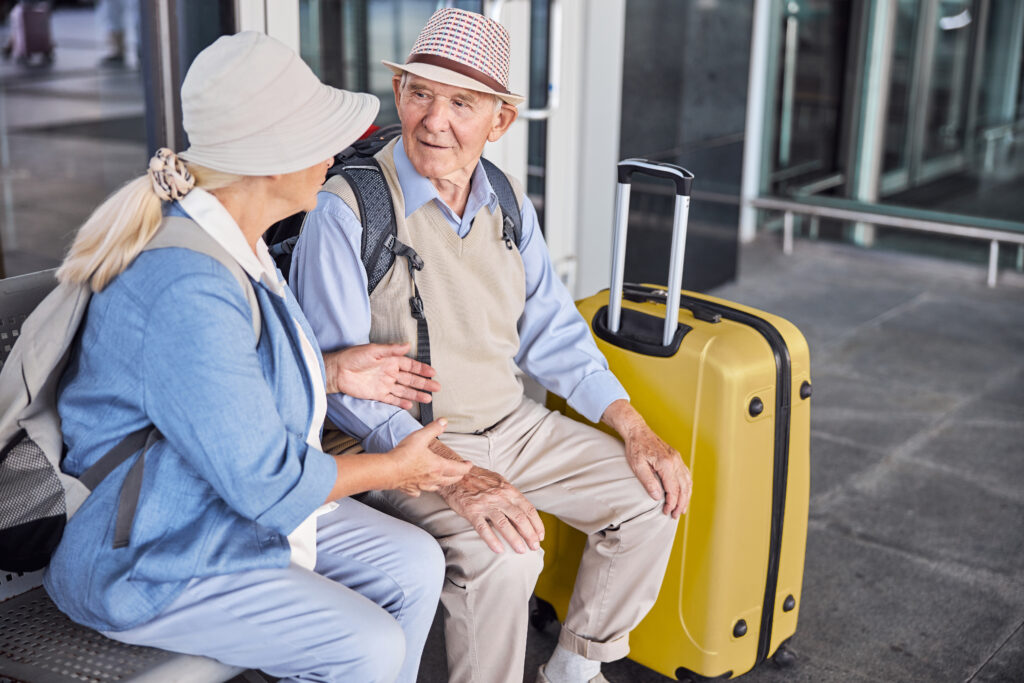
379 245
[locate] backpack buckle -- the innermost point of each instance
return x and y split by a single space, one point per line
416 307
506 232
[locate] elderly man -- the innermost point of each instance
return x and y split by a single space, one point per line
495 309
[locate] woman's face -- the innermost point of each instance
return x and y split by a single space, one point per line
301 187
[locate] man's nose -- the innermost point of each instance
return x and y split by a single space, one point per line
436 119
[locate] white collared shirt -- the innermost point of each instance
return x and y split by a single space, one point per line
210 214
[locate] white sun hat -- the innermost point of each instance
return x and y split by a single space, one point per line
251 106
464 49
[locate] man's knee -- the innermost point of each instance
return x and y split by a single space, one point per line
513 573
651 527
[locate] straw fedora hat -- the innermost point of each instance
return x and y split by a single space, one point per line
463 49
251 106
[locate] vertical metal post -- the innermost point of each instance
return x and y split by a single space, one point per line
977 76
675 268
9 233
167 80
787 233
993 262
788 83
875 88
1020 257
618 255
754 144
813 227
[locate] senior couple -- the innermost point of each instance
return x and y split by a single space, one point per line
247 544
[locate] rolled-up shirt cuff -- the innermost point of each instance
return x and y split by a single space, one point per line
319 473
387 435
595 393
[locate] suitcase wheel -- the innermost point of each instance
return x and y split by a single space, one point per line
542 614
783 657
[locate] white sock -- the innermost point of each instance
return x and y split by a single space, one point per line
569 667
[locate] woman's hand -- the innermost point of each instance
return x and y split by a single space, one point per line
421 469
379 372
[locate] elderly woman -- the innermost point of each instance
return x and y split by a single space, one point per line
244 545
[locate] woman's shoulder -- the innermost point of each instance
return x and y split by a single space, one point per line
175 270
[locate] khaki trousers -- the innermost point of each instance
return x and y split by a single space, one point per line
580 475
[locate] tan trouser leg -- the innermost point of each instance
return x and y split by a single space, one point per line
580 475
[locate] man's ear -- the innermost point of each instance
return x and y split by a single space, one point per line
503 119
396 85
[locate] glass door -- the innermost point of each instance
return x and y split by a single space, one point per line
947 89
930 90
809 105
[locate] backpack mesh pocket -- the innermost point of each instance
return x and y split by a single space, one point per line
32 509
30 487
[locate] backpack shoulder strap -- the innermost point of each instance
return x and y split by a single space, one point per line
361 185
177 231
512 218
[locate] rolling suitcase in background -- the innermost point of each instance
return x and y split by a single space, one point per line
30 32
728 387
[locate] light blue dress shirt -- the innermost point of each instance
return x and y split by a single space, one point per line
329 281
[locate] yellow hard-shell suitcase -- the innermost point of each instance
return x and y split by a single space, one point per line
728 386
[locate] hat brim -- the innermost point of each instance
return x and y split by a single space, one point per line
442 75
329 122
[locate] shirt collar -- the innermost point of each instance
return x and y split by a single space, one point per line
418 190
210 214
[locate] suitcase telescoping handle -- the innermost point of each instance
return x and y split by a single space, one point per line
683 179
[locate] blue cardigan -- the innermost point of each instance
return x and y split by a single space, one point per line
169 342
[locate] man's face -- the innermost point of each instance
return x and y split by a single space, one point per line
445 128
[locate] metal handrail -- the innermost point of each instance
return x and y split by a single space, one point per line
790 207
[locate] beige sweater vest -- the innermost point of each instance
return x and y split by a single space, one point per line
473 291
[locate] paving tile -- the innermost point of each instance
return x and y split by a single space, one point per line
936 515
1004 402
869 411
909 357
845 391
1006 664
833 464
991 455
980 325
881 614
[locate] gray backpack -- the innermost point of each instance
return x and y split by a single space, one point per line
36 497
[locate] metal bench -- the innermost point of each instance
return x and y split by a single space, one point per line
38 644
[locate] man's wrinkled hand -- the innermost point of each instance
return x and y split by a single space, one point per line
419 467
660 469
380 372
490 503
656 464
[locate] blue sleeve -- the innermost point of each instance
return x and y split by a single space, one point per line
206 392
555 345
329 282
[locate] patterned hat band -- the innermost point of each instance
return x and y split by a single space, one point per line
458 67
169 175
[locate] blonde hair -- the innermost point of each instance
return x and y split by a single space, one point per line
117 231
